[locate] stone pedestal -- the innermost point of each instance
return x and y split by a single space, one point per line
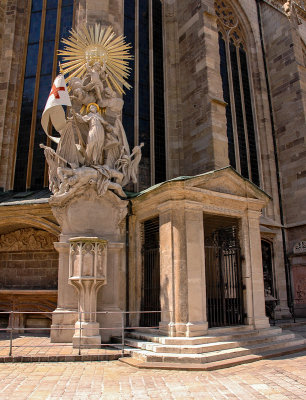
88 223
87 273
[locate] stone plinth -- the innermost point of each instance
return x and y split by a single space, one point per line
86 219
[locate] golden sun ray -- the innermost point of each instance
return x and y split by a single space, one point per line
97 44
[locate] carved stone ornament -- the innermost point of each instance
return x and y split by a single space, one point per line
27 239
300 248
92 148
87 273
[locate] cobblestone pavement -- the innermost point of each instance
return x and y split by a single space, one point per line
277 379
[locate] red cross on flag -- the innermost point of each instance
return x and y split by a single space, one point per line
54 111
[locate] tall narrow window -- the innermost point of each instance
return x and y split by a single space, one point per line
50 21
143 112
242 149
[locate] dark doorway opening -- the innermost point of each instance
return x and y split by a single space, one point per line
224 285
150 300
268 274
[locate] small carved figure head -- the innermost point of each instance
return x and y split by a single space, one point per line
92 107
96 66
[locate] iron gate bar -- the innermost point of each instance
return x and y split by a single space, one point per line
224 285
150 300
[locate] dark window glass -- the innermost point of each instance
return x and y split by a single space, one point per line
47 58
239 113
128 109
31 64
45 83
249 117
52 4
24 133
144 95
226 95
159 111
36 5
66 22
34 32
50 25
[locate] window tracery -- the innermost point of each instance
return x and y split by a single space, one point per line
242 150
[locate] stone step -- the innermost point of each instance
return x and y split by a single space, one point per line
211 366
211 337
148 356
207 347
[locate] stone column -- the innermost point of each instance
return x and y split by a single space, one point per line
63 318
182 270
255 298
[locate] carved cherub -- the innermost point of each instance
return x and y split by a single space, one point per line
79 95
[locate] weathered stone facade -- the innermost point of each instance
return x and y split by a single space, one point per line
195 115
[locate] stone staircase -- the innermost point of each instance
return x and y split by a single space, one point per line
222 347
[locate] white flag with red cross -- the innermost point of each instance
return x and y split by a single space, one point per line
54 111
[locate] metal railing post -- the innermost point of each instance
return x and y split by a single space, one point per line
11 335
80 332
122 334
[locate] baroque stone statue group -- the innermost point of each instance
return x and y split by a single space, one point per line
92 150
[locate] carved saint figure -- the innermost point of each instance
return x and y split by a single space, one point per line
96 134
97 76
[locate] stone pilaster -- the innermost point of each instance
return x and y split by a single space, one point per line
182 270
253 272
197 318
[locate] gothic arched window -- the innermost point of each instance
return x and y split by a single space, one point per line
49 20
242 149
143 112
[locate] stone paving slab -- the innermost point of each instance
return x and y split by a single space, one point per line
275 379
38 348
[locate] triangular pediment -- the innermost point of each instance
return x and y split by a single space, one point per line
226 180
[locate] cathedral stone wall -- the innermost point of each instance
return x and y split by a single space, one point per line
284 56
14 17
201 109
29 270
28 260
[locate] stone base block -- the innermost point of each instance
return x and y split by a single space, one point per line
88 334
63 325
183 330
62 333
87 342
261 323
282 312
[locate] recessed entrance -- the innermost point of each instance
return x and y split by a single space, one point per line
150 300
224 287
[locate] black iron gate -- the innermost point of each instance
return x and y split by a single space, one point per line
150 273
224 287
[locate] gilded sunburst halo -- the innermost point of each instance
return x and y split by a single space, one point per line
91 44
